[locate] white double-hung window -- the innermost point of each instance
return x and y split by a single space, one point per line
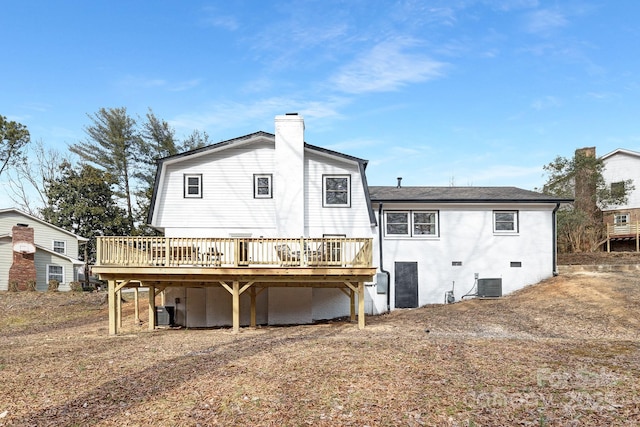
336 190
505 222
262 186
55 272
193 186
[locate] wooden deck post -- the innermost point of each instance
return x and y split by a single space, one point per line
352 304
136 302
236 306
152 308
119 307
252 294
360 305
113 322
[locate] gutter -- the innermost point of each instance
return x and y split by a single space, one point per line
382 270
554 226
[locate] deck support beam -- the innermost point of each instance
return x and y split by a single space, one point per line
119 307
252 295
113 322
352 304
236 306
360 305
136 302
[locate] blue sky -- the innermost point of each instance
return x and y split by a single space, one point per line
448 92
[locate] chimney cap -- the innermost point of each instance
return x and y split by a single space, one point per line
22 225
291 114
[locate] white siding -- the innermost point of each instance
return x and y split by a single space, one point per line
44 234
6 258
351 221
621 167
42 260
466 236
227 204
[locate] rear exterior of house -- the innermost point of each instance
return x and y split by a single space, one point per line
267 229
622 221
435 240
261 186
55 254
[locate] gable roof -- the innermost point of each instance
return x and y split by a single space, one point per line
33 218
621 151
253 137
460 195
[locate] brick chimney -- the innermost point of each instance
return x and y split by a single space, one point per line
23 269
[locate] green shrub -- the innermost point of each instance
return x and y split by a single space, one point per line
76 286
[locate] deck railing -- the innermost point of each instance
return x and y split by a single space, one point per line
234 252
626 229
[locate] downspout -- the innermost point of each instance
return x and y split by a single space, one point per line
382 270
555 238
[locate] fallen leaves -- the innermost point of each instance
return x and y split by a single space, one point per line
563 352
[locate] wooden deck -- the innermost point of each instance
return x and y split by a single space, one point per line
623 232
235 264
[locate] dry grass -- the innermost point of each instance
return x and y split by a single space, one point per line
563 352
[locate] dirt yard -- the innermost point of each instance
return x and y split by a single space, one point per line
562 352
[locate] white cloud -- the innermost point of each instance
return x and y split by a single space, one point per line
184 85
226 115
545 21
387 67
546 102
214 19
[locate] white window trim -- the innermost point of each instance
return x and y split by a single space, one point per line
64 246
49 273
186 185
255 186
410 224
324 191
626 216
516 222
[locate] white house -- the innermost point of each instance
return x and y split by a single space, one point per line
226 209
34 250
620 166
432 240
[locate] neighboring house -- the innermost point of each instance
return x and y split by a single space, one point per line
34 250
622 220
298 227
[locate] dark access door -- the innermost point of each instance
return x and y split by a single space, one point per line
406 284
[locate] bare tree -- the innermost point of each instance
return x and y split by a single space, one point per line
28 178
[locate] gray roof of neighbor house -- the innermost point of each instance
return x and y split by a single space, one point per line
460 195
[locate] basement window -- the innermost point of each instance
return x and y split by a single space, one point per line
516 264
193 186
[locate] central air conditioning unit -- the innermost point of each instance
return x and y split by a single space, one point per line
489 288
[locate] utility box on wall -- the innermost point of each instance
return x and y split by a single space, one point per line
382 283
490 288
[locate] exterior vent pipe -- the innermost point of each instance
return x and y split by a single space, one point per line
399 182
